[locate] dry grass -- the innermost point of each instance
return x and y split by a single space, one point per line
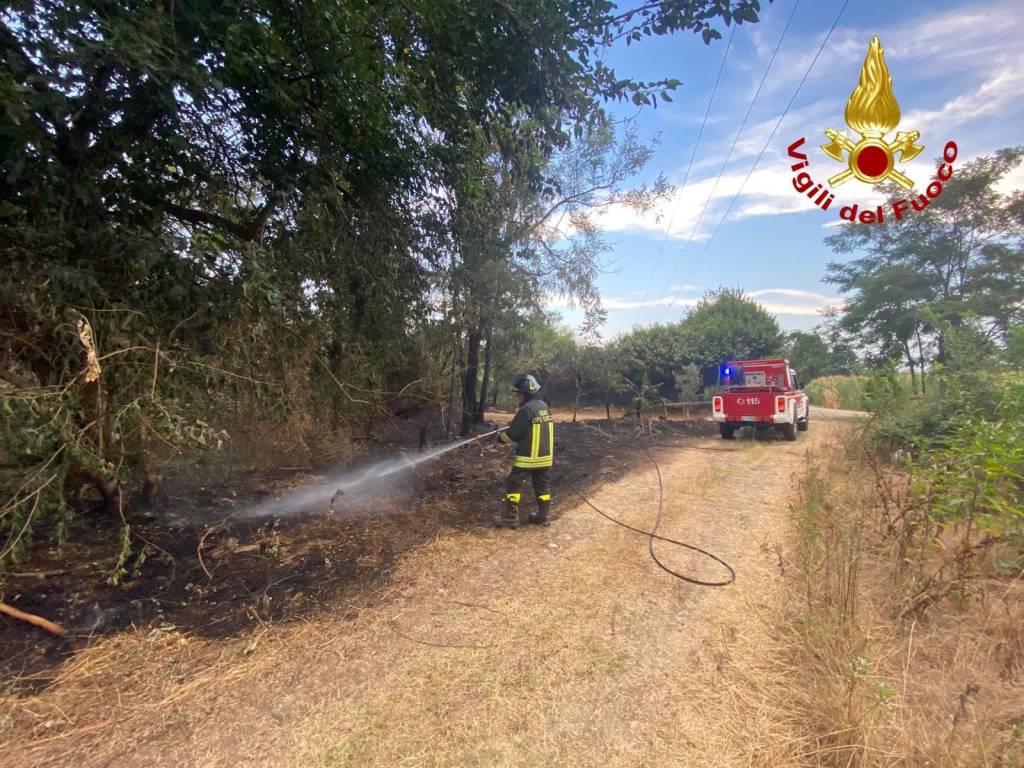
870 690
562 646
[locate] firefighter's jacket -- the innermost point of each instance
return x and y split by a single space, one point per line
533 432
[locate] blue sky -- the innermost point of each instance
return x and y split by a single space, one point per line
958 73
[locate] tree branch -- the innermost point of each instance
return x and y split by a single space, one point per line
249 232
31 618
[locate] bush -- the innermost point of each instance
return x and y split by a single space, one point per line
964 484
922 422
977 478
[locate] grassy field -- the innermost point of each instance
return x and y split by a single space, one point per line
847 392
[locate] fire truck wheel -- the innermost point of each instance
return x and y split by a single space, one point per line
727 431
803 423
789 432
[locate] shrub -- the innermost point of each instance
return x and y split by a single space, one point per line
975 482
964 489
922 422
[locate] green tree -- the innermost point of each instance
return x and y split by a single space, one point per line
238 211
649 358
513 245
813 354
1015 347
726 325
960 259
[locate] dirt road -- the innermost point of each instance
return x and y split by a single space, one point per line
556 646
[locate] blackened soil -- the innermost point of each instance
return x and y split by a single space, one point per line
224 575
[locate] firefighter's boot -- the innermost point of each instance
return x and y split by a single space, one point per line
509 515
540 517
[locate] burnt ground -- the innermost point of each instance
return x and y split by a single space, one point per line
283 568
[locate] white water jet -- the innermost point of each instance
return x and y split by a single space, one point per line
344 487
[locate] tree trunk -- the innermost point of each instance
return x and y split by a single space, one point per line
920 355
482 408
454 386
910 362
334 363
469 397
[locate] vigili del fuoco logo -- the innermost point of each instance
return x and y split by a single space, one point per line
872 112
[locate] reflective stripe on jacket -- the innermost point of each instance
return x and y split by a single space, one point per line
533 432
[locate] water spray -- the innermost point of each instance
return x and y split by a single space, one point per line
366 480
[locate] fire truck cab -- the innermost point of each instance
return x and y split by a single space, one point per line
760 394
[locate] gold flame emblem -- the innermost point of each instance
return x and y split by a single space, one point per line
872 111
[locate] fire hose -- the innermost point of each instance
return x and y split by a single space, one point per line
486 434
653 535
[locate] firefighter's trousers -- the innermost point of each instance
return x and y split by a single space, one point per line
541 484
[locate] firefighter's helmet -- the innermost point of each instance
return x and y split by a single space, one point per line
527 384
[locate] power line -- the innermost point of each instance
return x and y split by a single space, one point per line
686 177
739 132
760 155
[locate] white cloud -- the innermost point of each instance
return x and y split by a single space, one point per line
1001 89
808 303
956 41
949 41
768 191
772 205
752 141
793 293
665 301
782 308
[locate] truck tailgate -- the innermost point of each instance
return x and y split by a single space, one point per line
748 406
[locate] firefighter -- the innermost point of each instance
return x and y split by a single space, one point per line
533 432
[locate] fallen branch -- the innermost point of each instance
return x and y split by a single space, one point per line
35 574
36 621
199 549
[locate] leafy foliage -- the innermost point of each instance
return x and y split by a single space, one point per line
295 219
958 263
813 356
726 325
660 361
961 494
977 477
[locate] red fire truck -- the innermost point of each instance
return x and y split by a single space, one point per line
760 394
